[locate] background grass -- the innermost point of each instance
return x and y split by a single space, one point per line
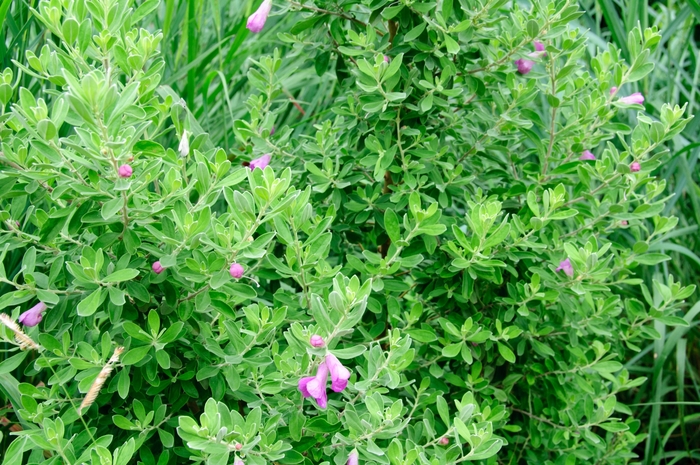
208 50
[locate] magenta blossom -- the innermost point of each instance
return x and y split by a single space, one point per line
256 21
566 267
636 98
444 440
315 386
624 223
386 59
613 89
539 46
33 316
157 267
339 374
524 66
635 166
236 270
261 162
317 341
353 458
587 155
125 171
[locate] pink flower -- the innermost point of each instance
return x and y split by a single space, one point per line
256 21
33 316
353 458
635 166
636 98
444 440
539 46
587 155
316 386
317 341
236 270
339 374
238 461
613 89
386 59
239 446
125 171
261 162
623 222
157 267
566 267
524 66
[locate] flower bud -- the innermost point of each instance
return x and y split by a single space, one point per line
444 441
317 341
635 166
33 316
236 270
125 171
524 66
184 147
157 267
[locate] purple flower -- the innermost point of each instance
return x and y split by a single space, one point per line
566 267
353 458
316 386
524 66
256 21
236 270
635 166
636 98
317 341
386 59
272 131
33 316
157 267
339 374
125 171
539 46
587 155
613 89
261 162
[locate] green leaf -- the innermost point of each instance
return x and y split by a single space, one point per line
119 276
391 224
506 353
89 305
135 355
608 367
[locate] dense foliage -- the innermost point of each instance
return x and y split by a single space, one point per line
464 228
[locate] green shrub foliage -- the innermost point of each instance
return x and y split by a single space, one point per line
440 231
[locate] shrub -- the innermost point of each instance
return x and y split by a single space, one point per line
462 233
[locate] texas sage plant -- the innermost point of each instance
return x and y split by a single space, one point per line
456 246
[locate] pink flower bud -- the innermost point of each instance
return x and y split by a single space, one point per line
566 267
624 223
524 66
587 155
236 270
256 21
539 46
636 98
261 162
635 166
353 458
33 316
157 267
239 446
613 89
386 59
272 131
238 462
125 171
317 341
444 441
